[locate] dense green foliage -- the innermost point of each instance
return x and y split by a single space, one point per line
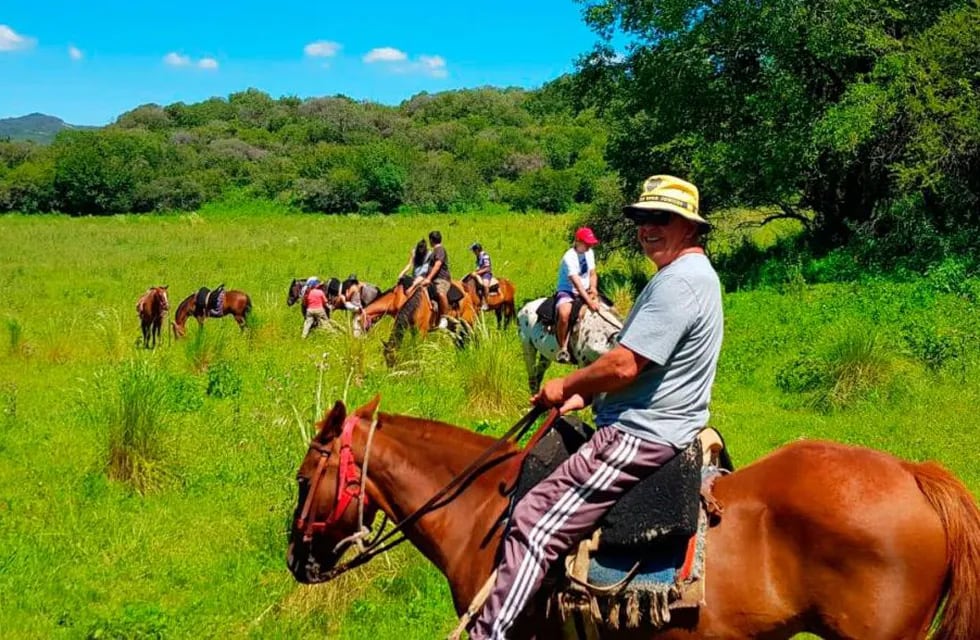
146 494
865 113
446 152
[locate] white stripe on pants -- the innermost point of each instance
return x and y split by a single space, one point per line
557 513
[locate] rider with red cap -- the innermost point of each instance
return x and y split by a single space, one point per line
576 279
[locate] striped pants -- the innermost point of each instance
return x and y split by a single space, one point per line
558 513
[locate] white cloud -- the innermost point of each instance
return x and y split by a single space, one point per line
207 63
322 49
10 40
434 66
385 54
75 53
175 59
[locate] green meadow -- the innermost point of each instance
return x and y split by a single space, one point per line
186 537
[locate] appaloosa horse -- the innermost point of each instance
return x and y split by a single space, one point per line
500 300
591 336
151 307
840 541
233 302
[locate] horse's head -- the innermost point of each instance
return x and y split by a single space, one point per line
330 493
295 287
164 300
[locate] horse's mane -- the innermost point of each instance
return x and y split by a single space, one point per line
421 430
181 313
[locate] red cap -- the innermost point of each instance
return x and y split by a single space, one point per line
584 234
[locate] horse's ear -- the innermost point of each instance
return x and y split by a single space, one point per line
332 422
367 411
164 286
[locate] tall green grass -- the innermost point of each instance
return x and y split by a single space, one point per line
184 536
130 405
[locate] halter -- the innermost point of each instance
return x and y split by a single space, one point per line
348 483
383 540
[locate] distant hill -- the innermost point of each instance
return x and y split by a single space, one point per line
36 126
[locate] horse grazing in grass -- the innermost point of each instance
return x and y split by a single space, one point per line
418 312
151 307
233 302
387 303
840 541
500 300
591 336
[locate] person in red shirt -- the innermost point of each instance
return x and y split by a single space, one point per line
316 302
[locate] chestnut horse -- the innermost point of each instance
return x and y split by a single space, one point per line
151 307
501 302
416 312
236 303
840 541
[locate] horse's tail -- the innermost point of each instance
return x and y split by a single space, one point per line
961 519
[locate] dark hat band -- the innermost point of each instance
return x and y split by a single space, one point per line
687 206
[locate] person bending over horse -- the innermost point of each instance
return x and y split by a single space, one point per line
355 295
418 263
483 273
576 279
438 273
316 303
650 393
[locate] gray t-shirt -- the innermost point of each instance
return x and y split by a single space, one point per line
677 325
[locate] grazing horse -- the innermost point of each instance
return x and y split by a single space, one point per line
416 311
840 541
594 334
235 303
387 303
151 307
501 301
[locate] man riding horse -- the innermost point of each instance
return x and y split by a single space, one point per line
649 394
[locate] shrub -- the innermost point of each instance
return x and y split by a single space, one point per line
223 381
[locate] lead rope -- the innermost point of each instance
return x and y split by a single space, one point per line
474 608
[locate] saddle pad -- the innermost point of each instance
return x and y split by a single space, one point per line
664 504
671 562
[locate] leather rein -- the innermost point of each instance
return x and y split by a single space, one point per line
351 482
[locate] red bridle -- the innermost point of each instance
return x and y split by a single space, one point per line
348 483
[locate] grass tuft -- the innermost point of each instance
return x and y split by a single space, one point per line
131 403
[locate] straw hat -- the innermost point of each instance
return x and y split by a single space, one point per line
667 193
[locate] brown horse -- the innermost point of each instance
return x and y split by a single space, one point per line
151 307
236 303
501 301
418 312
386 304
840 541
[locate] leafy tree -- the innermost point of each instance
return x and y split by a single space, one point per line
735 96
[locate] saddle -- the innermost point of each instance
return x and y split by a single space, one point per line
548 317
646 557
209 302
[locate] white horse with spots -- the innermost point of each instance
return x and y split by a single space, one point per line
594 334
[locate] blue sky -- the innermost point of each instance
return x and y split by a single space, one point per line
89 62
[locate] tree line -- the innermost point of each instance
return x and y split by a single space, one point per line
450 151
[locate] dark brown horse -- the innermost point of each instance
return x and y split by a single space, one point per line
840 541
501 301
151 307
235 303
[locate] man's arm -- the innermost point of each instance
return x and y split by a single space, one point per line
433 270
614 370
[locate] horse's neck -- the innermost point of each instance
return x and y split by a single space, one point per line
411 461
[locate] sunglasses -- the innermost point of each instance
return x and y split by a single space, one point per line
654 218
